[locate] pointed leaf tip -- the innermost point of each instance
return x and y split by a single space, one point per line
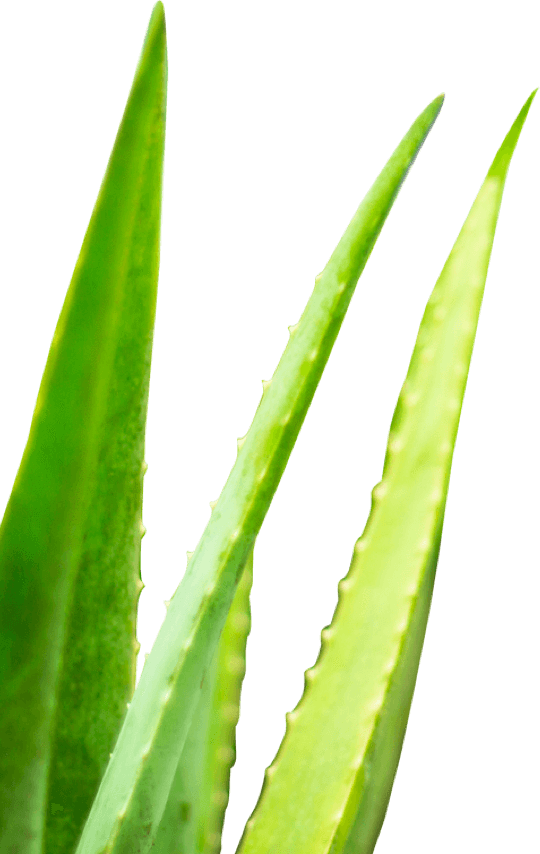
500 165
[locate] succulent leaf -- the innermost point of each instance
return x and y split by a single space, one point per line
70 536
328 788
70 551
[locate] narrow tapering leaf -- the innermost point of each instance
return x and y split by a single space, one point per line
328 788
46 525
132 797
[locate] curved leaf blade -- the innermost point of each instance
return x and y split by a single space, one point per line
41 537
328 788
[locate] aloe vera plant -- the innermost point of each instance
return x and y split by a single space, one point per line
89 764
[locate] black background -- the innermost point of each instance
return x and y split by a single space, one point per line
278 122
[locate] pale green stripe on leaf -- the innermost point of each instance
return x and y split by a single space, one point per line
328 788
135 788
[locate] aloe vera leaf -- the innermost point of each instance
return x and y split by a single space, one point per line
134 791
225 713
46 520
329 786
193 818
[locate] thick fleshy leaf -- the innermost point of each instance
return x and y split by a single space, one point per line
328 788
46 534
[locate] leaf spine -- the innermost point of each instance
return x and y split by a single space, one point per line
395 444
262 474
189 555
338 815
389 667
423 546
411 398
142 530
167 602
377 703
241 439
226 755
412 590
213 504
311 673
241 622
144 467
213 840
357 762
292 717
293 328
231 712
380 490
265 385
236 665
436 495
345 584
402 625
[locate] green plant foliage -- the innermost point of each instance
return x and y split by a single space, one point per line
328 788
70 551
135 788
76 502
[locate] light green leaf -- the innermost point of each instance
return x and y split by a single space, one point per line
328 788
